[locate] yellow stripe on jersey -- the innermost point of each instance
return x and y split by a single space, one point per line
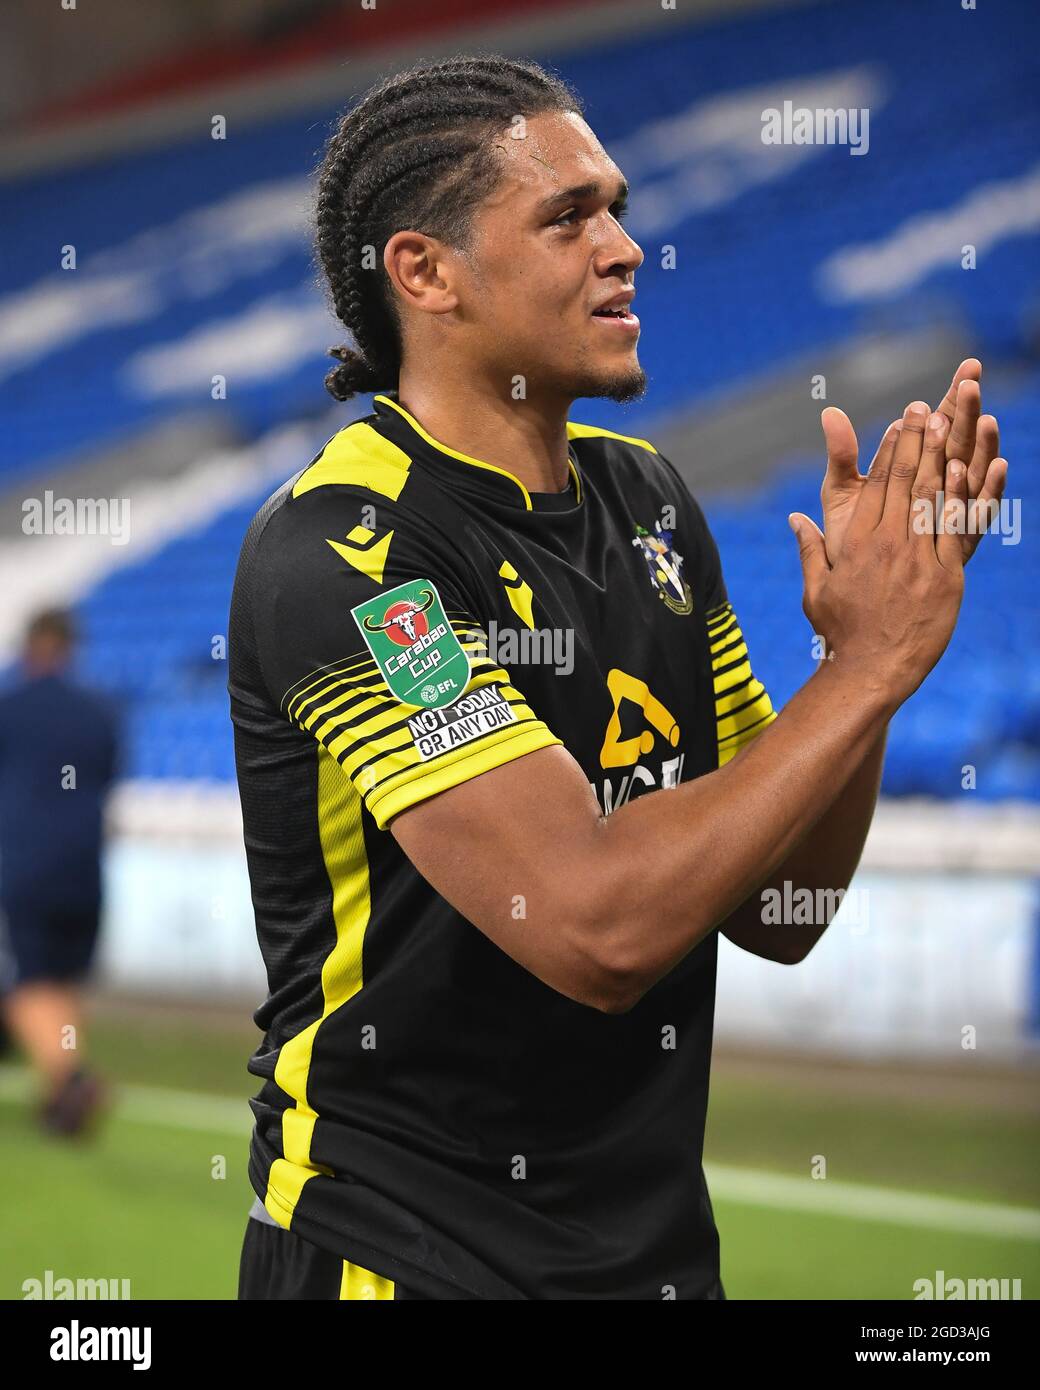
367 555
388 756
738 675
397 777
727 653
576 431
459 766
355 663
720 622
345 705
358 455
346 862
333 691
361 1283
742 704
285 1181
354 715
454 453
518 592
366 718
319 683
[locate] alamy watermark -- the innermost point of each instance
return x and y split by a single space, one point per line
59 1287
944 1286
538 646
815 907
804 125
81 1342
952 517
77 516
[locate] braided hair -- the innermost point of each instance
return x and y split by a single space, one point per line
413 153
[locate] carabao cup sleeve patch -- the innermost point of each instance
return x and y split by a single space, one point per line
413 645
420 710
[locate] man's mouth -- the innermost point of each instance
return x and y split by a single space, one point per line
620 318
616 311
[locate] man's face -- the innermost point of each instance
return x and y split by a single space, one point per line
548 252
46 651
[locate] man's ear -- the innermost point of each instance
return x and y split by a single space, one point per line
420 272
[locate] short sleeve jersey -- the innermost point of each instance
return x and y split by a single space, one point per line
406 617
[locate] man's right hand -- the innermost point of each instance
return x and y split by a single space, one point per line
889 604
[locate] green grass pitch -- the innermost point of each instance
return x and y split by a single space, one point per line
160 1196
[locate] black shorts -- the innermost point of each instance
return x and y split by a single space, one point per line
41 941
277 1264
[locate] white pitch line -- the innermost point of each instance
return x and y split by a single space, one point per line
154 1105
193 1110
860 1202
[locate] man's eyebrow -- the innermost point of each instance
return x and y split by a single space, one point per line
580 191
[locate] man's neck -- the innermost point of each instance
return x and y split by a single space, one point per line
527 440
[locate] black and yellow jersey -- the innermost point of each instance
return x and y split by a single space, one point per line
405 618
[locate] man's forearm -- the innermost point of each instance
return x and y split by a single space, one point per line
825 859
708 845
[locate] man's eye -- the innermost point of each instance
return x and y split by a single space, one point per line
618 210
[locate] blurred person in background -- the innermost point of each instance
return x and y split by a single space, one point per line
58 747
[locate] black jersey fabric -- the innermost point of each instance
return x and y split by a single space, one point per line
431 1110
278 1266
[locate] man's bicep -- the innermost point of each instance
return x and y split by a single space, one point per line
508 850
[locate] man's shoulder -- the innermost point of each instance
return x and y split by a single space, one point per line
597 438
632 459
625 453
358 487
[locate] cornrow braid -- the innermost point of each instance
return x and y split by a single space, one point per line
413 153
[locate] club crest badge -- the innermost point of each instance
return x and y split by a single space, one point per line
415 647
665 567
